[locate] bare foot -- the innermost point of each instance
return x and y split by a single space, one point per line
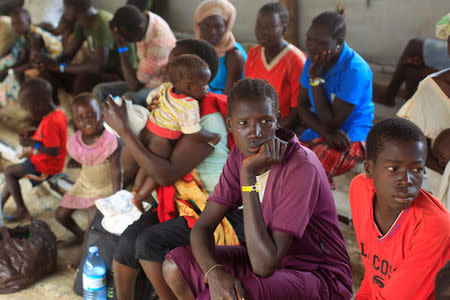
72 267
72 242
384 99
380 95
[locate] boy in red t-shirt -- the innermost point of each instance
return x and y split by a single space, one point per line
48 143
403 231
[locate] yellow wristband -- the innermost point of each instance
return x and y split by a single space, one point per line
316 81
250 188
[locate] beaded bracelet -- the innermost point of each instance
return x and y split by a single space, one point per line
250 188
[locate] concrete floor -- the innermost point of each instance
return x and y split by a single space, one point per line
42 202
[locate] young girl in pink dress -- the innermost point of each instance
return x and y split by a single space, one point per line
98 151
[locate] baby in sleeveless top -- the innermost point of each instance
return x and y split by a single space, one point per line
177 113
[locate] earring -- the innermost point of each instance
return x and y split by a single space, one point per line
338 47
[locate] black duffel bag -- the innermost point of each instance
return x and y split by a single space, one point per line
106 243
27 254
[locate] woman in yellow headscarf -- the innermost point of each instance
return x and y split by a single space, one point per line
213 21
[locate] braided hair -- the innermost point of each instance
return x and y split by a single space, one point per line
391 129
255 88
128 17
78 5
85 98
20 11
276 8
185 66
204 50
334 21
41 89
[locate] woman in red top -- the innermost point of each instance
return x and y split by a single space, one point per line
277 61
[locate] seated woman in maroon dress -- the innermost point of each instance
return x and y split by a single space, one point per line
294 249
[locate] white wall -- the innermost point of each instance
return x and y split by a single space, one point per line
181 17
380 32
44 10
109 5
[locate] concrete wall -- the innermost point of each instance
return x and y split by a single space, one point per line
377 29
109 5
380 31
182 12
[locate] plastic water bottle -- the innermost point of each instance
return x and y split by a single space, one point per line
94 276
110 288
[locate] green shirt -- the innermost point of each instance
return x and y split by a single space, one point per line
210 169
99 35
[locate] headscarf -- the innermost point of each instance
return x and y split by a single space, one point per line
443 27
224 9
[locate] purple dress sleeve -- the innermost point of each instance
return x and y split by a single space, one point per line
298 193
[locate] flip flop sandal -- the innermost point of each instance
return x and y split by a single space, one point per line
10 218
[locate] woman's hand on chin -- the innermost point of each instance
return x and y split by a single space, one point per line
270 153
318 63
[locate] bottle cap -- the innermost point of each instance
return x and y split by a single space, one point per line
93 249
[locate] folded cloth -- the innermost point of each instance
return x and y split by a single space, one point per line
187 198
118 211
52 45
137 118
429 107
